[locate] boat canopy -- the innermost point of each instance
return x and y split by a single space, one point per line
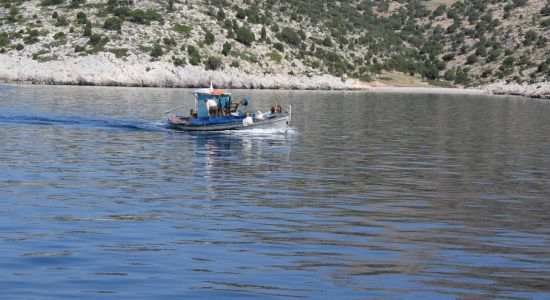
223 100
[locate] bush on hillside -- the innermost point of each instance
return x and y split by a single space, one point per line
113 23
245 36
52 2
290 36
170 42
77 3
183 29
156 51
178 61
88 29
144 17
208 38
62 21
279 47
213 63
226 48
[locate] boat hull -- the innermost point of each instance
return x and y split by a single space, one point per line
280 121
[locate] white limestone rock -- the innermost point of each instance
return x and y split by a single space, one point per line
136 70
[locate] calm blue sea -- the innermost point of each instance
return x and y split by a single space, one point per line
367 196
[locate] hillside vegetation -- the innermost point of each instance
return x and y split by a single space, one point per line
469 42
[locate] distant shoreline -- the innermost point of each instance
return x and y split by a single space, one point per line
105 69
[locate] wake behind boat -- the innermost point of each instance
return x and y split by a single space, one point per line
215 111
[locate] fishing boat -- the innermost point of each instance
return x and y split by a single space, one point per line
215 111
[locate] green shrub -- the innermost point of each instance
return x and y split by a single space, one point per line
449 75
119 52
62 21
194 60
4 40
58 36
461 76
220 16
530 36
486 73
81 18
226 48
98 40
122 12
279 47
235 64
241 14
178 62
52 2
208 38
79 48
213 63
77 3
19 47
245 36
192 50
183 29
519 3
327 42
263 33
543 67
88 29
170 42
227 24
32 37
448 56
275 56
290 36
113 23
156 51
144 17
194 55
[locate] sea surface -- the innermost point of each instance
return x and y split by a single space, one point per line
366 196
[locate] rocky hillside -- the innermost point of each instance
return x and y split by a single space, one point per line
469 42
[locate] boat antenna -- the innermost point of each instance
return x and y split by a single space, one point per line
211 87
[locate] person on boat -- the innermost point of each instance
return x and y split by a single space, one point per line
224 106
212 107
248 120
279 108
192 114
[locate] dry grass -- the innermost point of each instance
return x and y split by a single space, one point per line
400 80
433 4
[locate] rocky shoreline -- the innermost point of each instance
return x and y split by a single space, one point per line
107 70
536 90
104 69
